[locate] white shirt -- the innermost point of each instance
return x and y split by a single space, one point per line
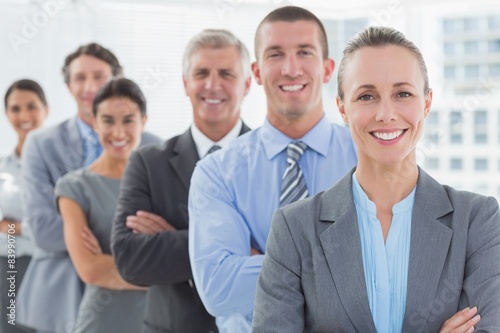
203 143
11 206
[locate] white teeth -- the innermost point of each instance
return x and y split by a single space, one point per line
388 136
118 143
26 126
213 101
296 87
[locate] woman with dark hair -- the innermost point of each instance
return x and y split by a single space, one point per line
86 200
26 109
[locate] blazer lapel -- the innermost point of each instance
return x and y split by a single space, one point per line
429 244
342 248
72 144
185 158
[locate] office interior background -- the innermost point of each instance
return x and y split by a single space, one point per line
460 41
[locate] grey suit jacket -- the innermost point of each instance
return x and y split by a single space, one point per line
312 278
157 180
51 291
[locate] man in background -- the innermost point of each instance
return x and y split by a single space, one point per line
150 236
51 290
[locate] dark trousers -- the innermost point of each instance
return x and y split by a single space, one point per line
21 265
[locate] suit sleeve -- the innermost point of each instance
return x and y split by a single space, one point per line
482 271
38 191
279 301
219 245
141 259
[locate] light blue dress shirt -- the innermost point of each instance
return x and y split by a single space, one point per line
88 135
233 195
385 265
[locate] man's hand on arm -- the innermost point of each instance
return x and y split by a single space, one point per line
148 223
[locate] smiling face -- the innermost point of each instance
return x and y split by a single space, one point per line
291 68
25 111
216 86
119 125
87 75
384 104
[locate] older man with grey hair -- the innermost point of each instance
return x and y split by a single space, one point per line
150 236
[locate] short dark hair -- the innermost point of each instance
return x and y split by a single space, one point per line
293 14
120 87
97 51
376 36
26 84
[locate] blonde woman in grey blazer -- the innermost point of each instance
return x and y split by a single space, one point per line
387 248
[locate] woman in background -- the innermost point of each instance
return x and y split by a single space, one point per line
87 198
26 109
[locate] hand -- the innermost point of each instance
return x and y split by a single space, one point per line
148 223
90 242
254 251
461 322
5 227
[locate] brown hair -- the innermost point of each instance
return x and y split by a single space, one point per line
379 37
28 85
293 14
94 50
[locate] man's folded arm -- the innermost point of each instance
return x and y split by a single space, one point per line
145 259
219 246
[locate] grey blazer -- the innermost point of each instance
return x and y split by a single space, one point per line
157 180
312 278
51 291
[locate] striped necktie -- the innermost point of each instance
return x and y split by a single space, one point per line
93 149
293 185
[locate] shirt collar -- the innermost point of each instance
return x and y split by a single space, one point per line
14 158
203 143
362 200
318 138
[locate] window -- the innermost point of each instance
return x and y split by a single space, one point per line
456 127
456 163
471 71
449 25
432 130
494 22
433 119
481 189
480 164
449 72
494 46
471 47
432 163
494 70
471 24
480 126
449 49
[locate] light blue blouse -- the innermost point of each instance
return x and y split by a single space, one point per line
385 265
